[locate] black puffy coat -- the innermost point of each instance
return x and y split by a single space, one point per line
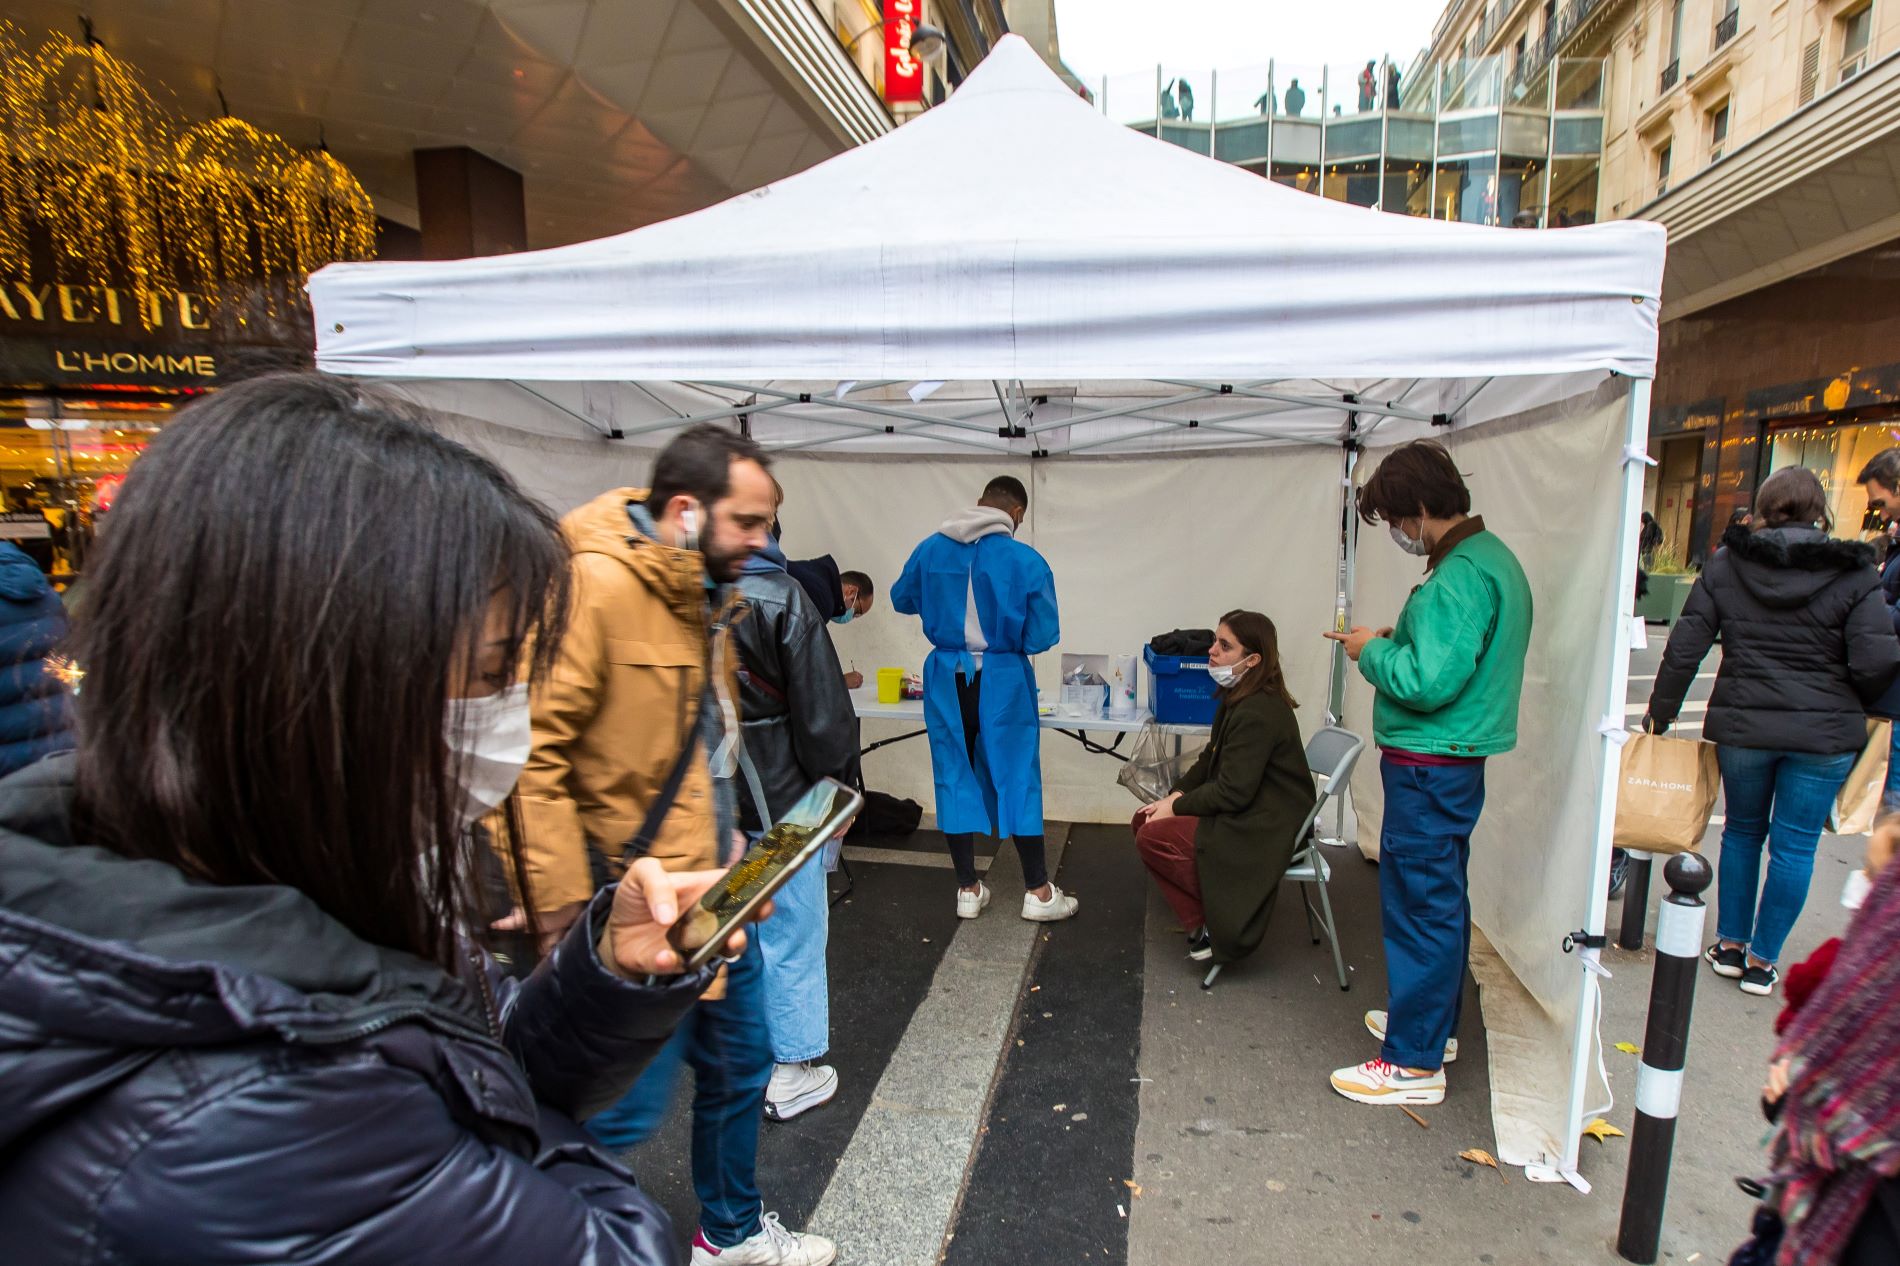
202 1075
799 722
1807 642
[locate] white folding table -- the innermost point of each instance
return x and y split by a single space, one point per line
865 702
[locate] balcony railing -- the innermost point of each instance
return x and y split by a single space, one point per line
1725 29
1671 73
1552 42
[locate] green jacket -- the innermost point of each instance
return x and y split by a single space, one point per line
1449 677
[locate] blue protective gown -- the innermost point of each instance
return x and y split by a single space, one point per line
1015 594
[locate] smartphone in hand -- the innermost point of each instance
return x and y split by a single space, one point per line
701 933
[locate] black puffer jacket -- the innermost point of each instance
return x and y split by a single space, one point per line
195 1074
799 722
1807 643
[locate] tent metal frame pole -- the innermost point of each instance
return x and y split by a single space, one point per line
873 428
1322 402
960 422
1609 751
1103 415
581 418
1348 583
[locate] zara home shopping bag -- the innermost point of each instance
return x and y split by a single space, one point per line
1667 793
1859 802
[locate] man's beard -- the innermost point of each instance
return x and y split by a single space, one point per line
723 566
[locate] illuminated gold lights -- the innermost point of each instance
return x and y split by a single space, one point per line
129 195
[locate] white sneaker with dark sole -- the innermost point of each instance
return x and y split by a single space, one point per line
772 1246
797 1088
971 904
1378 1082
1058 907
1375 1025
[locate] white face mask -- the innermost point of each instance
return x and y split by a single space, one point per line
488 740
1225 675
1417 548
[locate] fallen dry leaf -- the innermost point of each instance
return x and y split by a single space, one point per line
1478 1156
1133 1187
1059 1107
1629 1048
1600 1129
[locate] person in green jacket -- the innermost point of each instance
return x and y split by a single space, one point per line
1220 842
1447 679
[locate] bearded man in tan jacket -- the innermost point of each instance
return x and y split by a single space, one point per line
645 683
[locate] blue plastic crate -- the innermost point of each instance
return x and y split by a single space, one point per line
1179 690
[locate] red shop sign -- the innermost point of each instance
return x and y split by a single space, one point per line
903 73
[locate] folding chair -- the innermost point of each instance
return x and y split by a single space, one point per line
1330 754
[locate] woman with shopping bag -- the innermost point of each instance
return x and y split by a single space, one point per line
1807 644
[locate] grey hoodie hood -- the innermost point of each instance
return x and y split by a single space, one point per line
972 524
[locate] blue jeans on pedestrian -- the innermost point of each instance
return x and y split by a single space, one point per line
725 1042
1425 903
797 985
1782 798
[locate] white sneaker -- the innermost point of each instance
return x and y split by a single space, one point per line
1376 1081
772 1246
1375 1024
1058 907
797 1088
971 904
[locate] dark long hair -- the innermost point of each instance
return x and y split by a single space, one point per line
294 573
1257 636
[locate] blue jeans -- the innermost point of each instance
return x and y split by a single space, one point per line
797 985
1783 798
725 1042
1425 904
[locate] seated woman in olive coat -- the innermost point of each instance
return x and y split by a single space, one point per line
1220 842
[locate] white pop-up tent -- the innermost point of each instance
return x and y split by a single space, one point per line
1184 363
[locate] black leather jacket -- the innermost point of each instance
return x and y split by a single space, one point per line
799 723
196 1073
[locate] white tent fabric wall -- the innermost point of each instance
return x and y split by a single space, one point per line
1550 485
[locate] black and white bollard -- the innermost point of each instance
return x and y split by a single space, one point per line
1665 1043
1635 901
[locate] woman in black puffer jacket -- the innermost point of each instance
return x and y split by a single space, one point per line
1807 644
241 1019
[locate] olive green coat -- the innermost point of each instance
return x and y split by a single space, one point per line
1251 790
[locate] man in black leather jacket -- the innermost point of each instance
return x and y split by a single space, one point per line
799 728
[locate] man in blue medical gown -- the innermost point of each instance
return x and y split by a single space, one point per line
988 603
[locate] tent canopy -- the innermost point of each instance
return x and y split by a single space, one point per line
1079 286
1014 275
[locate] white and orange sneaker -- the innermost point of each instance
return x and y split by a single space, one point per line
1378 1082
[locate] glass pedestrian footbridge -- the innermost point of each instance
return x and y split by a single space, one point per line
1472 140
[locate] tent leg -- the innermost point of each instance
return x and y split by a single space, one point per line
1348 558
1622 604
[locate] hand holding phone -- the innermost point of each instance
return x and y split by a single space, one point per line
646 907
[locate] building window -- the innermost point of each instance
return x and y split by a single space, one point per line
1718 132
1857 30
1675 32
1663 154
1730 23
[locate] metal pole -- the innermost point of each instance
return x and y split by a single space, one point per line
1665 1043
1635 901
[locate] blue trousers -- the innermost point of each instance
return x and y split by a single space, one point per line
797 984
1425 904
725 1042
1781 798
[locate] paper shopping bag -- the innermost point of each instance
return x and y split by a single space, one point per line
1667 793
1859 802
